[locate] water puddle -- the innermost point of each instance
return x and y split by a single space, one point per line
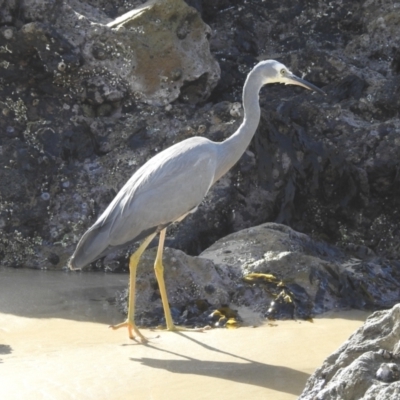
82 296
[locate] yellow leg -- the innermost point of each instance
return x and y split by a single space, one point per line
159 270
133 263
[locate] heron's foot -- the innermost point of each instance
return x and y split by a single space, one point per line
132 330
175 328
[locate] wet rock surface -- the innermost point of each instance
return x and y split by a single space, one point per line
72 130
365 367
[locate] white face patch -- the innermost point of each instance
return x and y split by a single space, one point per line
275 72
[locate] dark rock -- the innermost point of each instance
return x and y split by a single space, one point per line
73 131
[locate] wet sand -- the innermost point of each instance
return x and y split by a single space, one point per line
56 346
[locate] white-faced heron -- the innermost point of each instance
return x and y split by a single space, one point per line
170 186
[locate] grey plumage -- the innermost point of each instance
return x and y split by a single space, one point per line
173 183
148 202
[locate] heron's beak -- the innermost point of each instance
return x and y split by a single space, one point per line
295 80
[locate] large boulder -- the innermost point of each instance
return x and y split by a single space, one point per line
154 53
270 270
365 367
165 53
294 275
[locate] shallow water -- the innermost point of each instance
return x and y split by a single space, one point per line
54 344
82 296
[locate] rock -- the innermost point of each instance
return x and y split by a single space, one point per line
366 367
75 74
154 53
312 276
192 298
174 36
70 126
272 271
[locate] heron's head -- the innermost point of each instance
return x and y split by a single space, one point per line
275 72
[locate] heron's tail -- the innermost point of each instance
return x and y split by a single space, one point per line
95 243
72 265
92 245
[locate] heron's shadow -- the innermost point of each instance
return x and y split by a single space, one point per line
5 349
240 369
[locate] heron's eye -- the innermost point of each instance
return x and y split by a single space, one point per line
283 71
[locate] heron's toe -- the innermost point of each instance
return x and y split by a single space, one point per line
175 328
133 330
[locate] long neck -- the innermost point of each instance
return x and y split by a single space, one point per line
231 149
